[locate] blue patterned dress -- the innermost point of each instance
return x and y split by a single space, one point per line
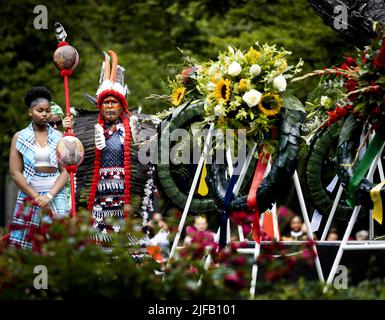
109 198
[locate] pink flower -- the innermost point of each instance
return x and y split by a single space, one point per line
238 261
192 270
233 281
308 254
282 211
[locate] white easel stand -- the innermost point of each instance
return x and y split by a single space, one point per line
344 243
305 215
191 193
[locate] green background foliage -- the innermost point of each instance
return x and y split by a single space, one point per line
145 35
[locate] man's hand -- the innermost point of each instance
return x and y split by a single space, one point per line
100 140
68 123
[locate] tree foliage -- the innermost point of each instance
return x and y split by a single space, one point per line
145 35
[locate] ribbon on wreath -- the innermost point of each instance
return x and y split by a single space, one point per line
365 163
252 203
224 217
375 195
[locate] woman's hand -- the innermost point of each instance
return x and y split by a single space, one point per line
68 123
43 200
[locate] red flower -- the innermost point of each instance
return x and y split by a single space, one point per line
242 218
350 85
376 111
375 126
377 89
379 61
246 229
364 57
186 72
274 275
344 66
332 117
350 61
337 114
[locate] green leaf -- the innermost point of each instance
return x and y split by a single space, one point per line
292 103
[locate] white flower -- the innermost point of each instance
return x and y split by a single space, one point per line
231 50
252 97
324 100
198 68
207 104
217 76
211 86
213 69
280 83
234 69
255 70
239 54
219 110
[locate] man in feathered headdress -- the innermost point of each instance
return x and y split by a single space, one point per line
110 189
118 178
109 195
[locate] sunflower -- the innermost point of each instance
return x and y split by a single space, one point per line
270 104
222 90
177 96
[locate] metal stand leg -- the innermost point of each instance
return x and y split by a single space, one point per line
275 222
371 225
235 191
307 223
332 212
254 270
341 248
240 181
349 229
191 193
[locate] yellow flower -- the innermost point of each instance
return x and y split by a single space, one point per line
177 96
283 66
252 55
270 104
222 90
216 77
243 84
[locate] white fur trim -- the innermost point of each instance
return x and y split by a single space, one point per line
119 88
106 85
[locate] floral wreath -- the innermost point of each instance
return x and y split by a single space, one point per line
356 95
246 90
243 91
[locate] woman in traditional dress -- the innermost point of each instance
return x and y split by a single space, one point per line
34 168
